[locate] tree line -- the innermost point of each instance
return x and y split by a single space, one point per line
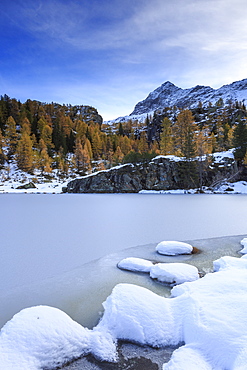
74 139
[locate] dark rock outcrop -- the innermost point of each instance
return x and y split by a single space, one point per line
29 185
162 173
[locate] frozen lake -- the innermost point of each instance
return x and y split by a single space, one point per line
48 241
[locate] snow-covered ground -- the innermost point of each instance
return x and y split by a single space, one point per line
12 178
238 187
208 317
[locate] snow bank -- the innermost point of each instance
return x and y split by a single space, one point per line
227 262
45 337
174 273
39 337
209 315
135 264
137 314
173 248
187 357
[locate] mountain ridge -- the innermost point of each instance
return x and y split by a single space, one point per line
168 94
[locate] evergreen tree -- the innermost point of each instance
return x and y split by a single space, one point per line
240 140
120 129
2 144
220 135
184 131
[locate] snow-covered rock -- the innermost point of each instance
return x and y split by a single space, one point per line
174 273
172 248
135 264
39 337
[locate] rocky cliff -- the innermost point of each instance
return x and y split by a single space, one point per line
162 173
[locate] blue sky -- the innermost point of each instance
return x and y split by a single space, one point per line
111 53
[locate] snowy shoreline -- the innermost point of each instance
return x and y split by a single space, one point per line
198 314
13 180
56 187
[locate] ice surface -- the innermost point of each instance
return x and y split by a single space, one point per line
173 248
174 273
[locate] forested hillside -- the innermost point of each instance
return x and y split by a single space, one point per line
74 140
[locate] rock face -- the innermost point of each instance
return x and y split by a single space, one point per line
169 95
162 173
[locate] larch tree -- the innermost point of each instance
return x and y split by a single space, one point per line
88 147
125 144
142 143
24 150
82 159
11 136
166 138
184 131
118 156
96 144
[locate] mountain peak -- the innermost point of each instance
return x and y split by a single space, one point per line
168 84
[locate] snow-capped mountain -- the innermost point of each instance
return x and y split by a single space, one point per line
168 95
